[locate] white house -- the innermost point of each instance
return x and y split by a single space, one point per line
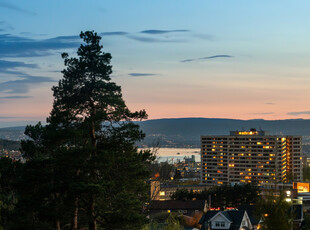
230 220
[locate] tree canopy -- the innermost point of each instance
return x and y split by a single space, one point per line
222 196
276 212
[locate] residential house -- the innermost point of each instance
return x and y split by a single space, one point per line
230 220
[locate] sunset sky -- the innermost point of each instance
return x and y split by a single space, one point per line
236 59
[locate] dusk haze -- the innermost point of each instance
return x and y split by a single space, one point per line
214 59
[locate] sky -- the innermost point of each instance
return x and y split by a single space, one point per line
235 59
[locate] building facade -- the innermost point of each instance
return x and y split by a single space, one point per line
250 156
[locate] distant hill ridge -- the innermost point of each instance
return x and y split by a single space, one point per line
216 126
186 132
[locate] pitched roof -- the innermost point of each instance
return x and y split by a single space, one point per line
252 213
236 217
223 214
206 217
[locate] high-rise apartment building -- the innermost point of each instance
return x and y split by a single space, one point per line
250 156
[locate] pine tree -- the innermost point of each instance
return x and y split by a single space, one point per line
96 174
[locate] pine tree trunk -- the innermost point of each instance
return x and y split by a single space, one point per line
93 135
93 130
92 224
92 219
58 225
76 209
76 214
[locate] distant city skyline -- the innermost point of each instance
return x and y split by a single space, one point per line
215 59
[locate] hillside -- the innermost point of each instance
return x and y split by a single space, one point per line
186 132
12 133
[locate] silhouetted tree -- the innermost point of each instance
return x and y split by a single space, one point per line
275 212
306 222
8 196
306 173
222 196
94 173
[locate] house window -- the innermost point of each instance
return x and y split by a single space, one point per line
162 193
219 224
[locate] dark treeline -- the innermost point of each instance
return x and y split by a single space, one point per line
306 173
222 196
83 170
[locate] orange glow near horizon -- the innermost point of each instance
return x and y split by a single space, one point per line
159 111
39 106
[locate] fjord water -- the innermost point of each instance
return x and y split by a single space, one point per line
173 154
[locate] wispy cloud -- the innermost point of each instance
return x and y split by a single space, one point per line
117 33
4 117
162 37
4 65
23 84
142 74
299 113
5 26
15 97
22 46
9 67
156 40
206 58
269 103
10 6
28 45
163 31
18 46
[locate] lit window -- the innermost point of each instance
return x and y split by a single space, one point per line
162 193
